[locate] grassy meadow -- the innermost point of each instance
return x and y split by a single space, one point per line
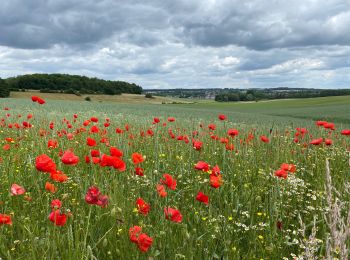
256 208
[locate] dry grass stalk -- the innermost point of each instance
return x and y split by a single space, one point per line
338 224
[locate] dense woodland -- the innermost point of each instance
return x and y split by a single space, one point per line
4 89
70 84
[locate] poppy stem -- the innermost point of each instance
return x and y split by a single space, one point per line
86 233
105 234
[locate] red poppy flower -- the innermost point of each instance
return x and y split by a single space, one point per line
197 145
69 158
58 176
142 207
168 181
9 140
137 158
52 144
215 170
139 171
26 124
86 122
50 187
17 189
212 126
202 198
144 242
94 119
94 196
264 139
56 204
345 132
161 190
329 126
94 129
95 153
119 131
5 219
156 120
96 160
321 123
41 101
230 147
6 147
58 218
232 132
171 119
134 233
150 132
202 166
328 141
281 173
44 163
102 201
288 167
118 164
115 152
215 180
222 117
317 141
173 215
224 140
90 141
113 161
87 159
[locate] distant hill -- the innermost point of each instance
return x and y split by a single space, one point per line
70 84
253 94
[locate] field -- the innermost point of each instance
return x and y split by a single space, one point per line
123 98
106 180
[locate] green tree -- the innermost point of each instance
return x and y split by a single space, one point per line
4 89
72 84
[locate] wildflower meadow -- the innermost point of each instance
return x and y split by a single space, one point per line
90 180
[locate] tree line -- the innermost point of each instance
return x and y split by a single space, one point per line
256 95
70 84
4 89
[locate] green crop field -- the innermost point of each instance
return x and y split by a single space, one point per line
106 180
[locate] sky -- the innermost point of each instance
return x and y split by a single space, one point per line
160 44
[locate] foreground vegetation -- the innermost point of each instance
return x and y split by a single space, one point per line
234 181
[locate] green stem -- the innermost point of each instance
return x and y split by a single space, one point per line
87 231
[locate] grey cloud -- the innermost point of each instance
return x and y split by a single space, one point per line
41 24
180 43
258 25
265 25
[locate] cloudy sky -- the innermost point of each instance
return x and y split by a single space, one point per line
181 43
